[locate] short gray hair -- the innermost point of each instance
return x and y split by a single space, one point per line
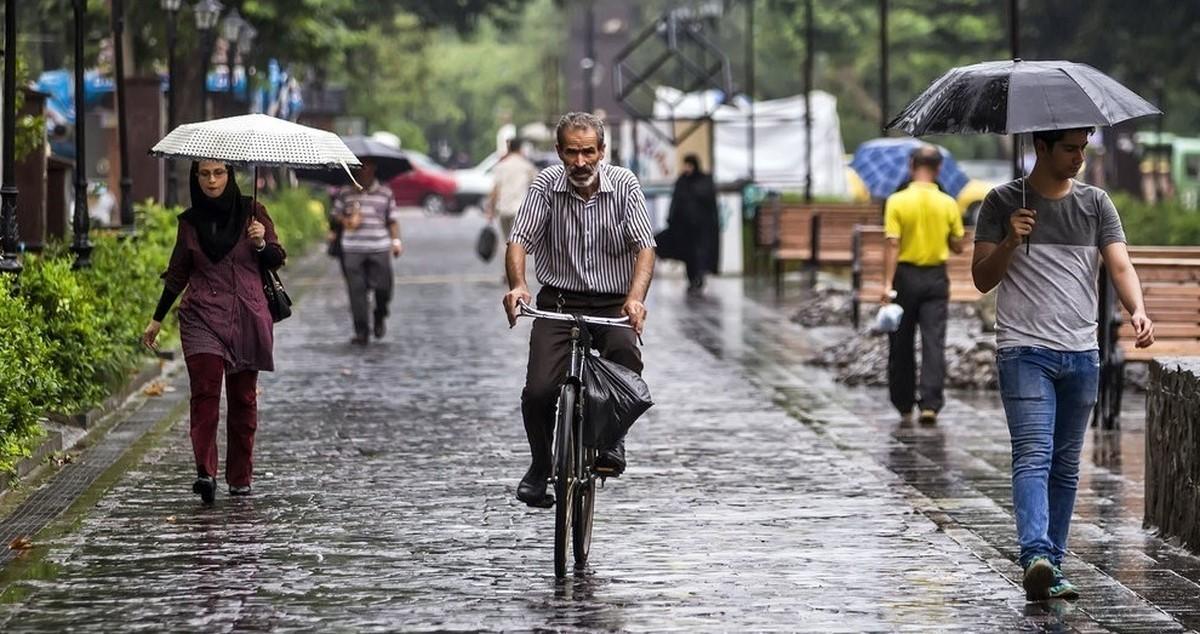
579 121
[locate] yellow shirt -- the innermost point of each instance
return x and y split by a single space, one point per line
923 219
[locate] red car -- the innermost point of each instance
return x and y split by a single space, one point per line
427 185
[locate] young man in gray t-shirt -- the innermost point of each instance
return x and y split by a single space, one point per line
1047 351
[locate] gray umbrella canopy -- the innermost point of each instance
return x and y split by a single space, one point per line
389 162
1015 96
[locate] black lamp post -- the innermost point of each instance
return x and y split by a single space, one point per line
172 9
207 14
245 42
9 260
231 32
80 225
118 31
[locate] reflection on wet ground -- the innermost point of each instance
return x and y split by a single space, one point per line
760 496
959 470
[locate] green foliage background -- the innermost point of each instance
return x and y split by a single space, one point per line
73 337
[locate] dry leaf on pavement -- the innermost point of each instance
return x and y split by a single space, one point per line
21 543
155 388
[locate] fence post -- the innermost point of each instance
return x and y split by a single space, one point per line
1107 412
814 249
855 275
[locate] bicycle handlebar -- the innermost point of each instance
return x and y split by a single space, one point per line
525 310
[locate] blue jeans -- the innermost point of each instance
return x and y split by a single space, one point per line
1047 396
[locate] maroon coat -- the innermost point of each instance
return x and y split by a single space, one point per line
224 311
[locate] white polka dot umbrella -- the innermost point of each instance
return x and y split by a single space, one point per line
257 140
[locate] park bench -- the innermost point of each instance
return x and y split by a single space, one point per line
816 234
868 246
1170 278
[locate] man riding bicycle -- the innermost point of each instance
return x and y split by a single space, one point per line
586 224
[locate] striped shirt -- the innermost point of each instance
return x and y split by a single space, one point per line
376 204
584 246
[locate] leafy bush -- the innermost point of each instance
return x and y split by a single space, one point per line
72 337
1157 224
27 376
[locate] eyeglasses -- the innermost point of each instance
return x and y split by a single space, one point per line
210 175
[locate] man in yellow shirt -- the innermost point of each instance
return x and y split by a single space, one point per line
923 226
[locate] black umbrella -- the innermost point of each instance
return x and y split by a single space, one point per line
389 162
1012 97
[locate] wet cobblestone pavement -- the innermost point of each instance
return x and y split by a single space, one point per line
760 495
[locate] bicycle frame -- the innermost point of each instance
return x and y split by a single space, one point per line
574 481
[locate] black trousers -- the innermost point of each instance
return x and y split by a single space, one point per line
549 356
366 272
924 294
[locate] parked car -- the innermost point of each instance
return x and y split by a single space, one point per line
475 183
428 185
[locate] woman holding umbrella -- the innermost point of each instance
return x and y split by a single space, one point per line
224 241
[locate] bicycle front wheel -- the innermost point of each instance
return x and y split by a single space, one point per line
565 482
585 507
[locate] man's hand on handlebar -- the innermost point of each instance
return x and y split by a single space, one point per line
512 299
636 311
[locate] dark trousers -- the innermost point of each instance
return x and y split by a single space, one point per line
205 373
366 272
924 293
549 356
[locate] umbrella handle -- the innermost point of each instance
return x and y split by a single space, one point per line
347 168
1024 179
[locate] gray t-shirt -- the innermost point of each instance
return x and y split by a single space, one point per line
1048 298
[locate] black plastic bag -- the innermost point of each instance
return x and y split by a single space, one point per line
485 245
614 397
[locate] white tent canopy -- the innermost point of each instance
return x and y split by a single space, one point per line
779 142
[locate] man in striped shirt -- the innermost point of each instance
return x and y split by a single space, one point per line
370 239
585 223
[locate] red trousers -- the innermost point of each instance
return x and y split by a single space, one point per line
205 372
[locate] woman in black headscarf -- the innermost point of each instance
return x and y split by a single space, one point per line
693 225
224 243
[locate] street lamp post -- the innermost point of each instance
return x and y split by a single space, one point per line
118 31
172 9
245 42
207 14
81 246
9 260
231 32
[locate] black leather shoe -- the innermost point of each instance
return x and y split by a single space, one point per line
380 326
239 491
206 488
611 462
532 490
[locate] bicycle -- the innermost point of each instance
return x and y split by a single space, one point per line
574 463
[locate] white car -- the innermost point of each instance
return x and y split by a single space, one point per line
475 183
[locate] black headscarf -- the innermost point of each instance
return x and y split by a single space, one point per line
220 222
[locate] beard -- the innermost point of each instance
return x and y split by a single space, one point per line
582 177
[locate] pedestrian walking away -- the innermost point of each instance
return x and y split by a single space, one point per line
585 223
512 175
224 242
693 222
370 240
923 226
1047 351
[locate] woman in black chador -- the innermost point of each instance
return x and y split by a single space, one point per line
692 235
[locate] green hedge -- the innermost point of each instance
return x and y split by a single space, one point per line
73 337
1157 224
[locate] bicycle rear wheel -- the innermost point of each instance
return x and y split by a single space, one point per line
585 507
565 483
